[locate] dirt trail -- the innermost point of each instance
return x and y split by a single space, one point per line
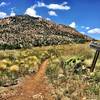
34 87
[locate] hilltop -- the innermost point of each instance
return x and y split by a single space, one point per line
25 31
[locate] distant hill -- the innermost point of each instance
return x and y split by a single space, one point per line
25 32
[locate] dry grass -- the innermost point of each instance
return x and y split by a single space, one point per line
64 85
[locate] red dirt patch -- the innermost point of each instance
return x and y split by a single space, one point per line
34 87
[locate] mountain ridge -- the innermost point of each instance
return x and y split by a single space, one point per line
24 31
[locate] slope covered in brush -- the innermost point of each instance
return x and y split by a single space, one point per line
25 31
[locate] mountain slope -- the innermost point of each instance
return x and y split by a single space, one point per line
25 31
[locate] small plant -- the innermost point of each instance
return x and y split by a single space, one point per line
74 64
95 76
94 89
53 70
14 68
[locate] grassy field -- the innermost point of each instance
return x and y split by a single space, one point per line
68 69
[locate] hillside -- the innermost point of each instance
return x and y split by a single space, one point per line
25 32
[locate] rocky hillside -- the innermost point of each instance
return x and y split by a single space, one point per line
25 32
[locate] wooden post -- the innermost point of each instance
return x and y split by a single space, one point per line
94 61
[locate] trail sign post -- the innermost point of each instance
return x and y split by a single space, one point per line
95 46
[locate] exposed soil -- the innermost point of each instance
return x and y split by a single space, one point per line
34 87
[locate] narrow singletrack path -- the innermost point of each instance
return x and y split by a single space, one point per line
34 87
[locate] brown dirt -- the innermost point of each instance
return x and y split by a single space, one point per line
34 87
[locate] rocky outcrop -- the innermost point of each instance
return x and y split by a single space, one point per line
25 32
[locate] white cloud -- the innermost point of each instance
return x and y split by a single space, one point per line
58 7
82 26
82 32
31 11
73 24
65 3
94 31
87 28
48 18
2 4
3 15
12 13
41 4
62 6
52 13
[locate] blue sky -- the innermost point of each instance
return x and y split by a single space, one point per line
84 15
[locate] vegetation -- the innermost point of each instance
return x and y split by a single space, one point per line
68 69
25 32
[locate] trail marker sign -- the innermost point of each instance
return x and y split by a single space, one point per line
95 46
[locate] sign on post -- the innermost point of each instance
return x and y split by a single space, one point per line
95 46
